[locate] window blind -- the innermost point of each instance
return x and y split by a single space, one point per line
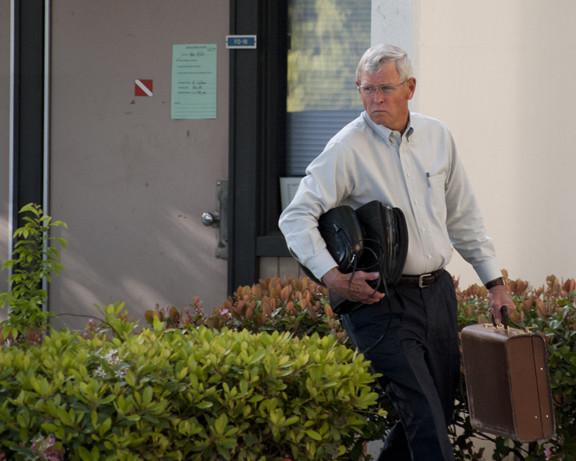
309 131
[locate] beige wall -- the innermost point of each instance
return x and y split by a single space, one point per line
4 131
502 75
279 267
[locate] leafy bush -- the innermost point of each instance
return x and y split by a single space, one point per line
189 392
199 394
35 258
301 306
551 311
297 305
168 394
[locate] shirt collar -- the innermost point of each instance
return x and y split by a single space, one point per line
386 133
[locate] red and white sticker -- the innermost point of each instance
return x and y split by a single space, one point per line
143 87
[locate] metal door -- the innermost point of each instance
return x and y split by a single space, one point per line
131 182
4 138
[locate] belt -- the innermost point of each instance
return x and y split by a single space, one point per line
420 281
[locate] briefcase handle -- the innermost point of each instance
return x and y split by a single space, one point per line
504 316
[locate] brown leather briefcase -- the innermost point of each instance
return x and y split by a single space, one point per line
507 382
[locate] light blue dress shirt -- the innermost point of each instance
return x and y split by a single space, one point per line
419 172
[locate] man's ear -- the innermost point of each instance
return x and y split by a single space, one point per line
411 87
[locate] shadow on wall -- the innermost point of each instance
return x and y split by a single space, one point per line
159 271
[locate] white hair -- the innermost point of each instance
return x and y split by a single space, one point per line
378 55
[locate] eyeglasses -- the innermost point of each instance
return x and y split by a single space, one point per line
371 90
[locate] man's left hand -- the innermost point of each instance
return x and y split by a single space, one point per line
498 297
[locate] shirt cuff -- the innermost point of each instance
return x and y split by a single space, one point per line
488 270
320 264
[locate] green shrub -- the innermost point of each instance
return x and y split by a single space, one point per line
198 394
35 259
195 393
301 306
551 311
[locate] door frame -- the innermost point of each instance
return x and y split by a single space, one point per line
29 130
257 136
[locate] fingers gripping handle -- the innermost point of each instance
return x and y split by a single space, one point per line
504 316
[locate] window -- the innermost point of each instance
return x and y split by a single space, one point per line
287 99
326 40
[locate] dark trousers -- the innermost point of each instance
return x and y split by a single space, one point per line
411 338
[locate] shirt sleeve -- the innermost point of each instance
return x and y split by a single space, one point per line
327 181
465 223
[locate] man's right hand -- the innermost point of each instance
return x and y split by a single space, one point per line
354 286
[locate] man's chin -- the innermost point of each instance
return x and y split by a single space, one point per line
381 118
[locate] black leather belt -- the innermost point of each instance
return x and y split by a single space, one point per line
420 281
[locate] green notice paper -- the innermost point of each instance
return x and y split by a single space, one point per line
193 81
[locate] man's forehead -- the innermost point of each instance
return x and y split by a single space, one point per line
387 70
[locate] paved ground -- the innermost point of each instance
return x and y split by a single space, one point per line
374 448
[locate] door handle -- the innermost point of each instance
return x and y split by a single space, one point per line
210 218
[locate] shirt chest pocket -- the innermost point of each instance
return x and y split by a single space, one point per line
437 197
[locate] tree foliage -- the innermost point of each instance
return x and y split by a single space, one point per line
327 37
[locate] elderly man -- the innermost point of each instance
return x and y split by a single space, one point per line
409 161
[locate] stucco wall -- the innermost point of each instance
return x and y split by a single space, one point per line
502 76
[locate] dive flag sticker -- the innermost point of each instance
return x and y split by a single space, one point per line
143 88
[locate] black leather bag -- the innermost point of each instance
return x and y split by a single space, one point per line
373 238
385 238
341 230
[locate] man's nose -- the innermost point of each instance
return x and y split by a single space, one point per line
379 96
